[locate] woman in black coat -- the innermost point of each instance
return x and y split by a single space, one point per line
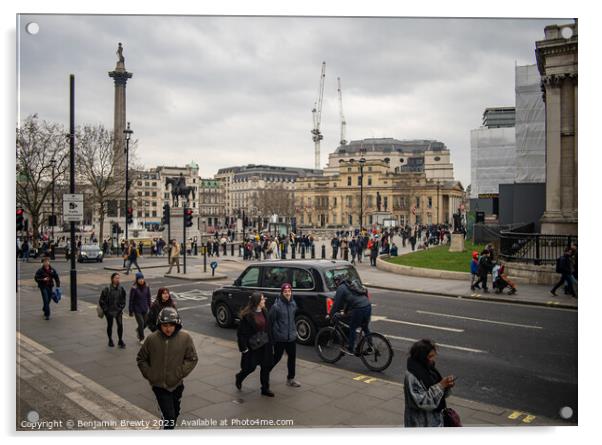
162 301
254 343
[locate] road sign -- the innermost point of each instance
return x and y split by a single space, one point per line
73 207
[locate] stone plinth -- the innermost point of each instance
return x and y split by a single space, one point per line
457 243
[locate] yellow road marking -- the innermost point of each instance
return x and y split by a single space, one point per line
529 419
370 380
515 415
360 377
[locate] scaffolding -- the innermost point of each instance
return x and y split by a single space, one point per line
530 126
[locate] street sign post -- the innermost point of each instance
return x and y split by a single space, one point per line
73 207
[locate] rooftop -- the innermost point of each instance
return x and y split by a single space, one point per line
390 145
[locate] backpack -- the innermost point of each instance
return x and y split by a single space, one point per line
357 287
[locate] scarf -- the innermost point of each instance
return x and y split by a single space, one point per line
428 376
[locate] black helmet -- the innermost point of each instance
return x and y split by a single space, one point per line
169 315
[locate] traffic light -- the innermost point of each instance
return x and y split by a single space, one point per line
187 217
20 219
129 219
166 214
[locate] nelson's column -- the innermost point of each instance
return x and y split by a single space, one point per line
120 76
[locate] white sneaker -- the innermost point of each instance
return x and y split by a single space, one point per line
293 383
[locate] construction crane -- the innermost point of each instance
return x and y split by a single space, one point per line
317 115
343 123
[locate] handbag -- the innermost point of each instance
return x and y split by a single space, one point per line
451 418
99 311
258 340
56 295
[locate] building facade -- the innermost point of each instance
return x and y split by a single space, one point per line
343 200
557 64
421 155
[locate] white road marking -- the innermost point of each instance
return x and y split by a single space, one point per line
195 295
441 328
193 307
443 345
482 320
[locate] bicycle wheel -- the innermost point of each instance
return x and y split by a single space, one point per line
328 344
376 352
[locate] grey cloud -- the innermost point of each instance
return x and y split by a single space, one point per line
231 90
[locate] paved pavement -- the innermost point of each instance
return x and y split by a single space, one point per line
103 385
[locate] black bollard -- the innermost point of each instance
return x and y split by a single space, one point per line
313 252
196 250
225 249
323 251
293 254
232 249
302 251
204 259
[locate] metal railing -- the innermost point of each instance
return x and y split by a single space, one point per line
534 248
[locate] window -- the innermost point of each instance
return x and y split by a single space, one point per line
250 278
154 194
348 273
430 202
154 184
274 277
417 202
369 180
348 180
145 183
146 193
369 219
146 214
139 214
154 213
302 279
335 201
359 180
139 183
369 201
350 220
139 193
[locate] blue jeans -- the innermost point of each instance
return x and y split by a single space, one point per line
46 297
360 317
130 263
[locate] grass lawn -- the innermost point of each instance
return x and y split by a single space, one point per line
440 258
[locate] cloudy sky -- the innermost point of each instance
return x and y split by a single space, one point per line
226 91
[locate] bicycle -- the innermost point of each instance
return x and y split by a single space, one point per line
374 349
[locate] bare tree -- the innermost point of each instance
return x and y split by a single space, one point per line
38 143
96 167
275 200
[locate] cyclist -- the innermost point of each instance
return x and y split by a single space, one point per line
358 309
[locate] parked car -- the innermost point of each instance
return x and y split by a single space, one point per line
90 252
313 291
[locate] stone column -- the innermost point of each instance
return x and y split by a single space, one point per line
557 64
120 76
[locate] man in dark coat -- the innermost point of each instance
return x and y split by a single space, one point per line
166 357
564 267
112 303
45 277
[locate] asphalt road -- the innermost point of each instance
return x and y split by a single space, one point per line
519 357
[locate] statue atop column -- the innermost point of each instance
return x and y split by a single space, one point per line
120 53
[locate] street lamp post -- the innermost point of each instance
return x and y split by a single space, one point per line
53 163
362 161
128 135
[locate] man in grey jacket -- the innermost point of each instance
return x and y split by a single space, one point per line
284 331
166 357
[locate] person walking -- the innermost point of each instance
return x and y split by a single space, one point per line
353 248
283 331
140 302
174 256
165 359
485 266
132 257
112 303
374 252
335 247
424 389
565 269
162 301
474 267
45 277
254 343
